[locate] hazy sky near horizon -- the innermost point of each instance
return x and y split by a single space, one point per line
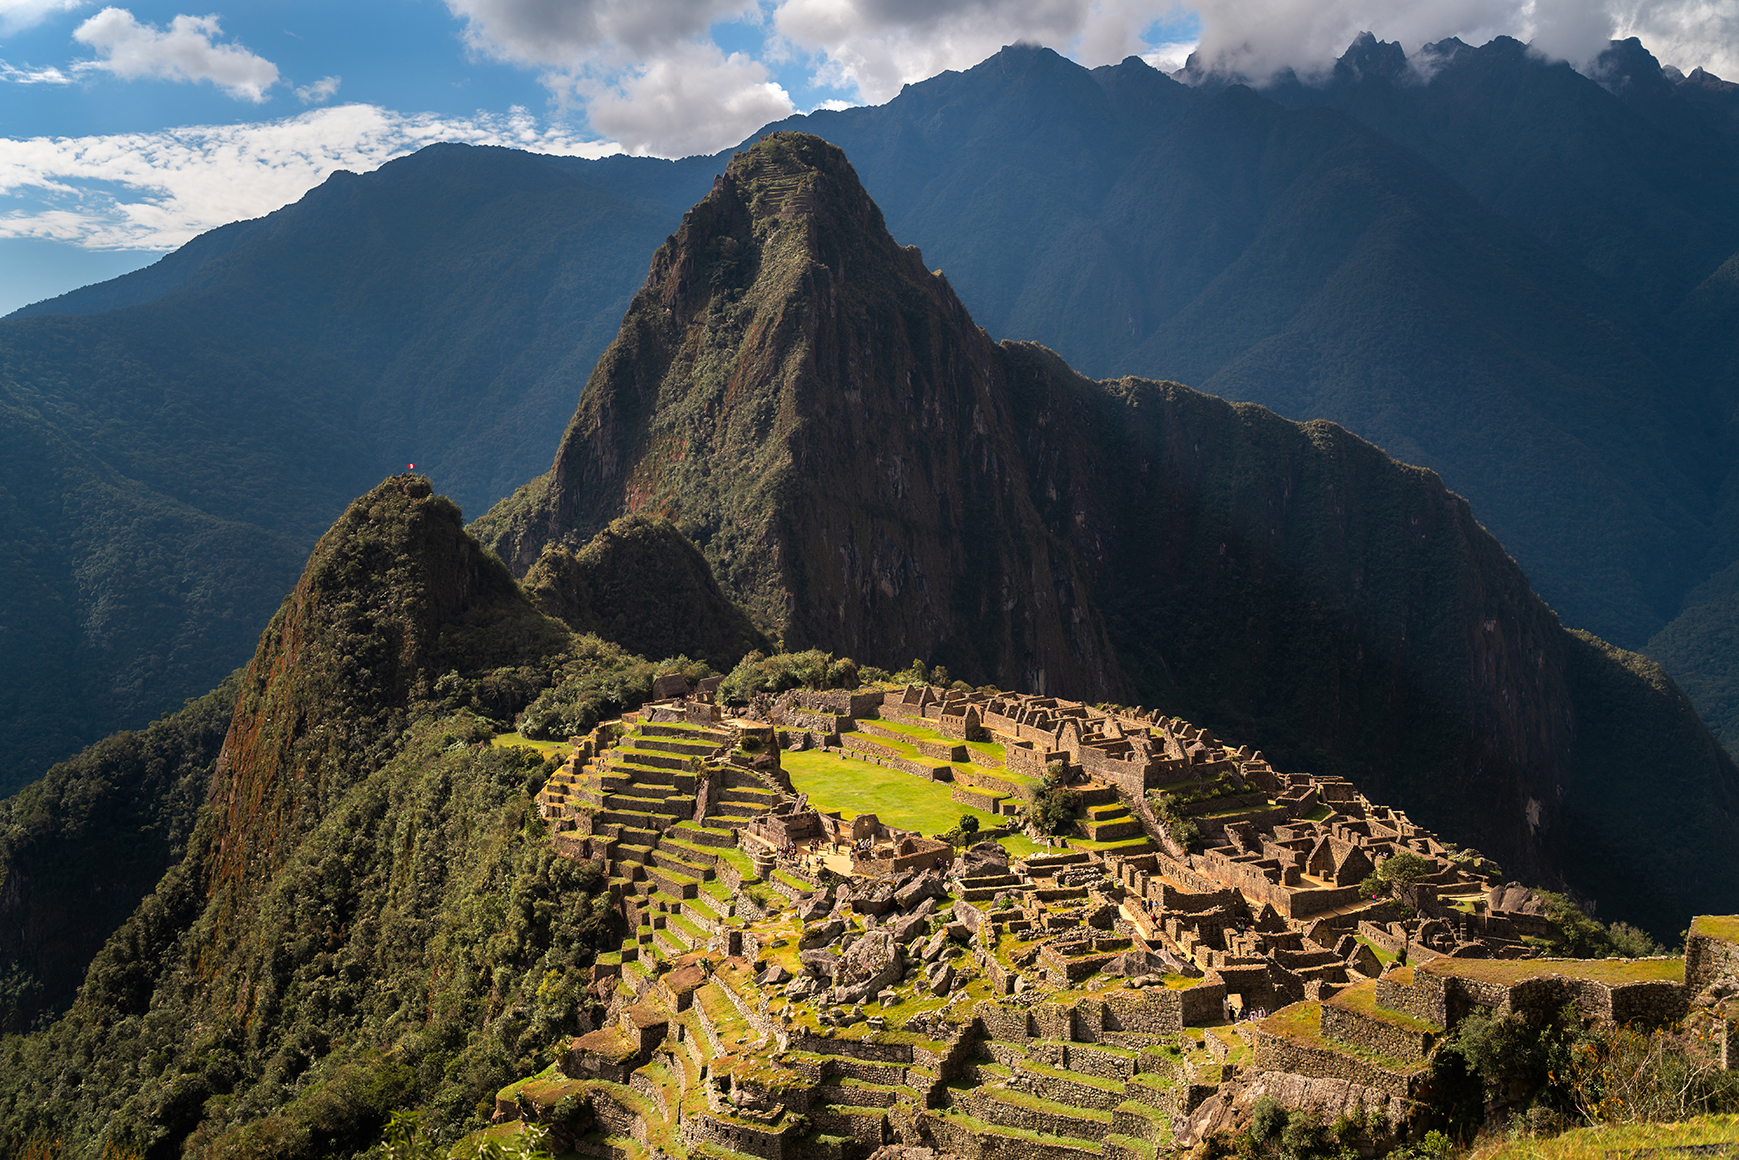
126 130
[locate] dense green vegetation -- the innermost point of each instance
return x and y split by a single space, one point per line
364 913
421 947
640 584
81 847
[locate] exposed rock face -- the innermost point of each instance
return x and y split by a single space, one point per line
868 965
866 472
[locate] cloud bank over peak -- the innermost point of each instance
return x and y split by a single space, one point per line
655 74
1257 38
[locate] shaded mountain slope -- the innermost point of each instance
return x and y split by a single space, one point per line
640 584
119 601
81 847
1298 259
844 460
1623 171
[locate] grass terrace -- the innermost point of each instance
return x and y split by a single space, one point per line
861 787
1302 1022
1722 926
1362 999
559 749
1702 1136
1505 972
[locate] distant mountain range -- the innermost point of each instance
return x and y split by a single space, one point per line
1518 276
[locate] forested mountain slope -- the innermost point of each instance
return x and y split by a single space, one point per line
166 466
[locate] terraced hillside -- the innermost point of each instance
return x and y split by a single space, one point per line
801 977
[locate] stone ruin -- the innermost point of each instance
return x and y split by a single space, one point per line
1114 998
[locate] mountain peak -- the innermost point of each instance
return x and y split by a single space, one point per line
816 411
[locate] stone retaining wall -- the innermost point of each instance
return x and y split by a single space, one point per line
1707 958
1376 1035
1275 1053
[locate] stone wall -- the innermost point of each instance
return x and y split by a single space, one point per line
1375 1034
1708 955
1277 1053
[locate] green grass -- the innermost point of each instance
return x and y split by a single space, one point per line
1383 956
1362 999
1302 1022
1610 1142
547 748
860 787
1722 926
1505 972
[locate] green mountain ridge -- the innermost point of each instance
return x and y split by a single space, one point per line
363 910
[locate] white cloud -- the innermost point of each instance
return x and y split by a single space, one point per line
320 91
1169 57
648 71
18 15
876 46
32 76
1691 34
690 99
570 34
1255 38
185 51
157 190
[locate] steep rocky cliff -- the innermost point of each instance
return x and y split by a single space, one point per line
867 472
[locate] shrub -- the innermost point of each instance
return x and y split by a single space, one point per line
812 669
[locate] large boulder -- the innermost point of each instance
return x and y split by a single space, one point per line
821 934
927 885
815 906
982 860
873 963
819 963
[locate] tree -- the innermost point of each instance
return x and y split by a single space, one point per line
968 824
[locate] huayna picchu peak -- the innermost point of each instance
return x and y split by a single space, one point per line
815 410
1241 795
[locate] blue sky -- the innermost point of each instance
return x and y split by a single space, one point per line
127 129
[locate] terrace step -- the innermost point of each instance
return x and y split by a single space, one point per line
1119 1146
1020 1109
966 1134
1072 1087
666 745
